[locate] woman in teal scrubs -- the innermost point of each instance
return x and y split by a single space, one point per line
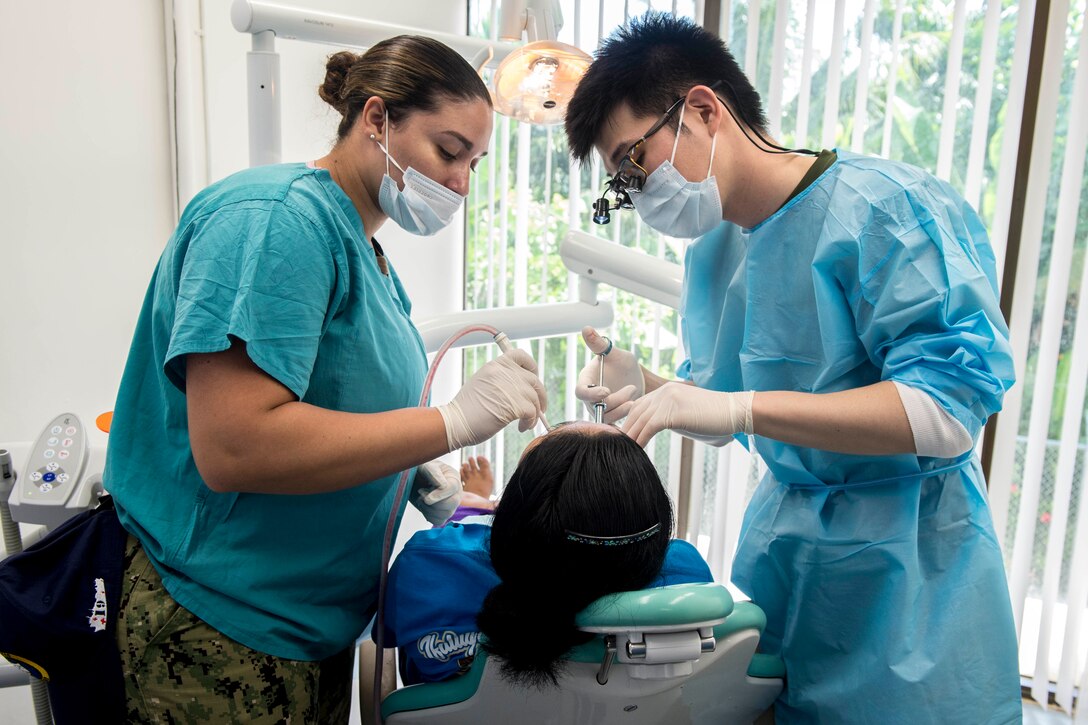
268 402
841 315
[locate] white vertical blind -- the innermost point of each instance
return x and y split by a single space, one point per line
861 96
1061 261
672 479
951 92
547 249
778 62
751 47
1020 325
731 495
695 495
725 20
803 95
574 194
504 212
1082 712
1077 597
983 95
999 228
521 217
834 78
893 76
719 554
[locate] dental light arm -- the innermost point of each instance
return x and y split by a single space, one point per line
519 323
284 21
265 21
538 19
594 260
601 260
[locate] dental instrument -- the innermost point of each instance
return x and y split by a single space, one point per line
506 346
598 407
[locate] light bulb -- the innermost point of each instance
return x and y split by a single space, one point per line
536 81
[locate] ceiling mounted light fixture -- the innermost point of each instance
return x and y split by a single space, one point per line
535 82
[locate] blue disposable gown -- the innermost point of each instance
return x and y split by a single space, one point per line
881 576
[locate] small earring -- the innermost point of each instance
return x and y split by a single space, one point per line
372 137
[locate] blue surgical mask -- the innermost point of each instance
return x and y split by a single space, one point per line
424 207
675 206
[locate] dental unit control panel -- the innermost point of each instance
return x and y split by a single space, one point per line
52 486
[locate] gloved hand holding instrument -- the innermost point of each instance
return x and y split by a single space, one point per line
652 404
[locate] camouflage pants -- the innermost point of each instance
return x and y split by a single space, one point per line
180 670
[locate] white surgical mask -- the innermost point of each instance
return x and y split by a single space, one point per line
424 206
675 206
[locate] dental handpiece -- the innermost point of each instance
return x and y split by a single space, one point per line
505 346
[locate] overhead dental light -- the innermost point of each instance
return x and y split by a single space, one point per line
535 82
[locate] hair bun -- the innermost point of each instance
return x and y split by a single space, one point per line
336 73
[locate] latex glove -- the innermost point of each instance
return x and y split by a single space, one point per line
436 492
623 380
705 415
503 390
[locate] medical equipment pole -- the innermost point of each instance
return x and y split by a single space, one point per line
13 541
13 544
263 77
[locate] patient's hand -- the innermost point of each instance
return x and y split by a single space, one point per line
478 482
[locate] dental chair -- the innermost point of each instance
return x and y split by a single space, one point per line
677 654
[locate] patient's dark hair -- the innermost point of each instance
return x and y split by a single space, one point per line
648 64
593 481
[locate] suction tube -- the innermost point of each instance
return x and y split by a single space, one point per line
504 345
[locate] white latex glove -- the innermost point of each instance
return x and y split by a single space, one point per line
705 415
623 380
436 491
503 390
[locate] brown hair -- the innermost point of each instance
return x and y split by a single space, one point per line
408 72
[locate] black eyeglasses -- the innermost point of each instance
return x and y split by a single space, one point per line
630 175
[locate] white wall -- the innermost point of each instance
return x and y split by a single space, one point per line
85 201
85 208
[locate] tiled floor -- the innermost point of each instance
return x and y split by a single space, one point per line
1034 714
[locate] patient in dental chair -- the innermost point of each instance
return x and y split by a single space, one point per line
584 515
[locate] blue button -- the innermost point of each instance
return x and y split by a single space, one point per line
49 477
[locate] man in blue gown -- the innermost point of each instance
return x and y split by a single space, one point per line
840 314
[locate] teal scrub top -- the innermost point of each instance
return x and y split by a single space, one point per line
881 576
277 257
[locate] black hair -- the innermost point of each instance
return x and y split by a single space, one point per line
408 72
648 64
593 482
